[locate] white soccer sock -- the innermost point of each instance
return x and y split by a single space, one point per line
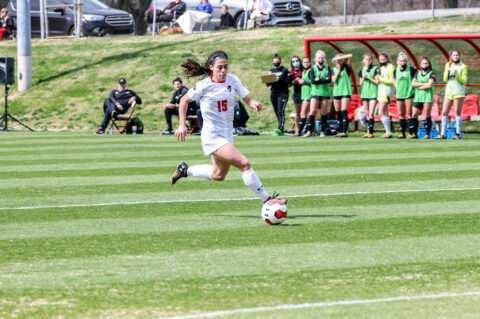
444 125
253 182
459 124
201 171
387 123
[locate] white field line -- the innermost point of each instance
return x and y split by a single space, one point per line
238 199
325 304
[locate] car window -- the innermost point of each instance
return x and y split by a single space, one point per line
94 4
34 5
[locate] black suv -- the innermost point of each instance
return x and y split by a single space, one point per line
98 18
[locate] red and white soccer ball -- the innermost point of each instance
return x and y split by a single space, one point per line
274 212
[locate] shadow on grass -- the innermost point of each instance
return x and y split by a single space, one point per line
113 58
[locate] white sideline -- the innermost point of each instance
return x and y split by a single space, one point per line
238 199
325 304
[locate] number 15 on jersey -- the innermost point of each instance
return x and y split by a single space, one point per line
222 106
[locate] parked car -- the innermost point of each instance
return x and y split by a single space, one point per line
98 18
284 13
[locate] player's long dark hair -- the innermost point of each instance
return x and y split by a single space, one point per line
193 68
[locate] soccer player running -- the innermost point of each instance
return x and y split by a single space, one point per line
423 85
455 75
386 90
342 90
306 95
216 93
403 77
369 81
320 76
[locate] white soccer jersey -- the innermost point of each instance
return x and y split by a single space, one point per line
217 102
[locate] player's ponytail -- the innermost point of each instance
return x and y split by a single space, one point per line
193 68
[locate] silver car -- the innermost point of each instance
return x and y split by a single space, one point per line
284 12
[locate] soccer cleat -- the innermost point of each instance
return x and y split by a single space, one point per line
341 134
412 136
456 137
439 137
401 136
386 136
322 134
368 135
99 132
180 172
308 134
426 137
277 132
167 132
274 196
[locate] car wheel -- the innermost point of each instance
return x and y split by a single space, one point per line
71 32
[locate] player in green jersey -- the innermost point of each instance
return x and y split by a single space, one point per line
386 90
423 85
369 82
306 95
403 77
320 77
342 90
455 75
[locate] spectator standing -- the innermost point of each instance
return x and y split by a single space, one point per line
369 82
306 95
342 90
423 85
118 102
201 14
386 90
296 72
403 77
279 92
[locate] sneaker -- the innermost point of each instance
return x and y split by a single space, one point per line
426 137
99 132
308 134
167 132
274 196
456 137
322 134
401 136
114 114
386 136
440 137
277 132
180 172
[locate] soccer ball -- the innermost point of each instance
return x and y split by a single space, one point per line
274 212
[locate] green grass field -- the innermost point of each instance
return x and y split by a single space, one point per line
90 227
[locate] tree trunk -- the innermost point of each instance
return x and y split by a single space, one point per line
136 7
451 3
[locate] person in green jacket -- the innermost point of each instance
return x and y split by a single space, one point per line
342 90
386 90
455 75
369 82
402 78
320 76
306 95
423 85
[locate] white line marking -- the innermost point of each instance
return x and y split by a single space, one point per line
325 304
238 199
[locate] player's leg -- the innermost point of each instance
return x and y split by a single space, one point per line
447 104
458 105
428 119
402 107
383 112
282 105
371 116
416 112
337 104
303 116
345 102
314 102
323 116
228 155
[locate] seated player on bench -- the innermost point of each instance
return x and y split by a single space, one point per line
118 102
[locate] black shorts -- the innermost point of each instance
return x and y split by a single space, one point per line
418 105
297 98
320 98
369 99
408 98
339 98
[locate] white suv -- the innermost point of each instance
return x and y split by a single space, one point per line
284 13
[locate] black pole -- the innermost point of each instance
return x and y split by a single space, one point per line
4 121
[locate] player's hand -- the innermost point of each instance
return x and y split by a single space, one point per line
300 81
131 100
181 133
453 71
120 107
257 106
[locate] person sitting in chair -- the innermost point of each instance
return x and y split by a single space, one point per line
202 14
172 107
118 102
258 12
7 25
226 19
173 11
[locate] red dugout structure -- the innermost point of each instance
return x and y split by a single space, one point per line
468 44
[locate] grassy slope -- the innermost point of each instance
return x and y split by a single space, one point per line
72 77
153 259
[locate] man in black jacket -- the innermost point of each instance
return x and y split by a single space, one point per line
173 11
279 92
118 102
172 107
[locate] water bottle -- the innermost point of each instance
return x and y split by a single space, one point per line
134 129
111 129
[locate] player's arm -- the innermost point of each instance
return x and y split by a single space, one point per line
360 76
446 73
253 104
388 81
462 75
181 132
